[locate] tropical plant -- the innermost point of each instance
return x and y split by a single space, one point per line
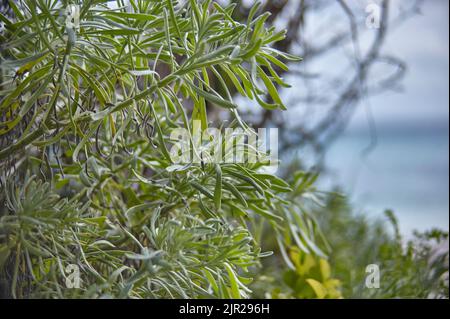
88 177
413 268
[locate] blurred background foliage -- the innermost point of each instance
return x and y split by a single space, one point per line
412 266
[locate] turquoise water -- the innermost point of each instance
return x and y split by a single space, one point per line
407 172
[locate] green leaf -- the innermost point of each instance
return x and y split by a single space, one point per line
230 187
265 213
271 88
202 190
318 288
4 254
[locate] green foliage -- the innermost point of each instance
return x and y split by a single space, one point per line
408 269
87 177
85 118
311 277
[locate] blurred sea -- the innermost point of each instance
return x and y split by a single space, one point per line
407 171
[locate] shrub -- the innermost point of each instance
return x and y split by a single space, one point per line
87 176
